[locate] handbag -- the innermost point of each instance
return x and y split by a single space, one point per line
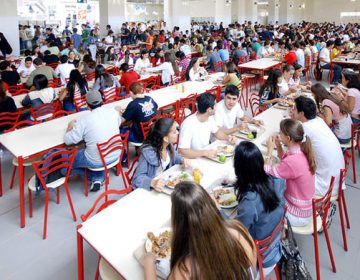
292 265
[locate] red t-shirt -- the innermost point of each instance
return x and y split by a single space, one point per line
128 78
290 58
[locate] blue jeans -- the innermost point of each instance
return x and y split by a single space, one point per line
355 121
337 72
81 162
68 106
132 137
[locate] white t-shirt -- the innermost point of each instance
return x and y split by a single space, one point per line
354 92
26 71
141 64
328 154
195 134
63 71
300 57
325 54
166 71
227 118
283 87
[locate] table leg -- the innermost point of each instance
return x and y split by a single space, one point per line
262 77
80 252
21 191
330 74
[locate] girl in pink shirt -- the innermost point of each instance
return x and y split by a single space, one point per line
297 167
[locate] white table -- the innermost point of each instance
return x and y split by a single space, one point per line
261 65
119 230
51 133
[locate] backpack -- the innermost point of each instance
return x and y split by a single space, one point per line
53 176
292 265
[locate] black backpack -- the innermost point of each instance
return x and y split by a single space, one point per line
292 265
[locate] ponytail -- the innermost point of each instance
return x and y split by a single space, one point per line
306 148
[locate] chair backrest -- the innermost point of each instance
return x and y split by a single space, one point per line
216 91
129 174
186 103
254 104
218 66
53 65
54 83
21 124
150 82
14 89
90 76
44 112
321 205
64 160
145 126
109 94
262 246
116 143
113 70
79 101
20 91
105 204
176 80
62 113
9 119
307 62
355 130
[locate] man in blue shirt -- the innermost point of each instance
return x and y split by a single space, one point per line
212 57
223 53
76 39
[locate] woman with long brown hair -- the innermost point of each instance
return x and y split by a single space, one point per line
297 167
335 112
204 245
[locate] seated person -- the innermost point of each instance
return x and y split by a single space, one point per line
128 77
42 93
142 62
323 141
50 58
284 88
104 80
231 75
96 127
7 104
228 112
269 91
193 213
157 155
9 76
260 196
295 81
196 130
141 109
63 69
125 59
297 167
40 69
194 71
26 68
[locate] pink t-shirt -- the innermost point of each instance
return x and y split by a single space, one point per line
341 122
300 182
354 92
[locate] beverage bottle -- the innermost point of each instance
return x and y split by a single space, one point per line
197 176
182 88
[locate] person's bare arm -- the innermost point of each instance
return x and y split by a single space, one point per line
191 153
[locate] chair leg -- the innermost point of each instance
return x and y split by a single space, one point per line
46 212
317 262
353 163
57 195
13 177
277 272
340 204
70 201
30 203
97 270
329 249
1 192
345 210
86 183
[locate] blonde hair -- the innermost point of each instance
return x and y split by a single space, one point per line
295 131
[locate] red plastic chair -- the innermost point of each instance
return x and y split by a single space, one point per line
218 66
117 143
9 118
20 91
320 208
14 89
101 207
186 107
113 70
254 104
62 113
80 101
150 82
307 68
90 76
109 95
262 247
53 65
44 112
42 169
216 91
145 126
129 174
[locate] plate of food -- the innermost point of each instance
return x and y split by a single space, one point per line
246 129
177 177
227 150
225 197
158 242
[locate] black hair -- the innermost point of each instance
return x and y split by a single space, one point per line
353 79
191 64
4 64
124 67
40 82
251 176
29 58
307 106
232 90
205 101
64 58
38 61
76 78
180 54
329 43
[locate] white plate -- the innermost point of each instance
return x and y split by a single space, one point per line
251 128
175 174
230 154
148 242
232 205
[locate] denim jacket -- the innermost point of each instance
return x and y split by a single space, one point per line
148 165
252 215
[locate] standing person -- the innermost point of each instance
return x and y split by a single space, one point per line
149 40
297 167
76 39
260 197
141 109
96 127
323 141
85 35
202 238
5 47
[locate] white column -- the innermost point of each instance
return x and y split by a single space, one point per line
283 11
222 12
246 10
112 12
9 23
177 13
273 11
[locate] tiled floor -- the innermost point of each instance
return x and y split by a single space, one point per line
24 255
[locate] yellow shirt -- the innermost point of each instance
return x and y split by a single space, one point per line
334 53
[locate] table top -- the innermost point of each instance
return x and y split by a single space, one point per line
115 235
261 64
51 133
341 60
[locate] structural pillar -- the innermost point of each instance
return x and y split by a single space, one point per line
112 12
222 12
176 13
273 11
283 11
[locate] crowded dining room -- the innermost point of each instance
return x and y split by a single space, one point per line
179 139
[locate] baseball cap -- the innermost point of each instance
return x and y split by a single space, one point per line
93 97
